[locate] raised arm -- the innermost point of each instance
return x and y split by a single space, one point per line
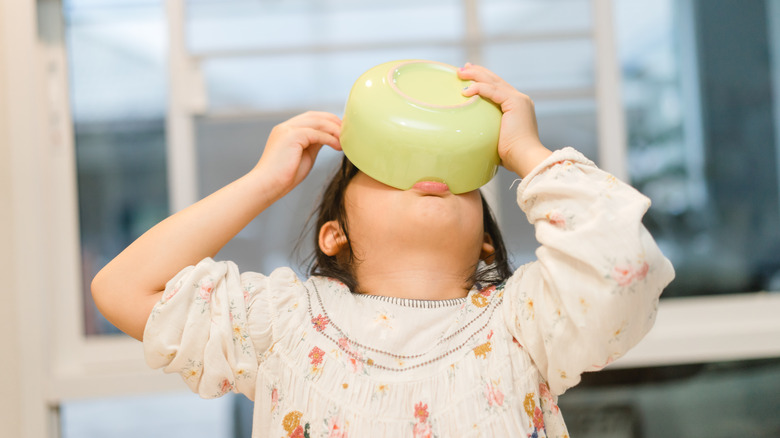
127 288
593 292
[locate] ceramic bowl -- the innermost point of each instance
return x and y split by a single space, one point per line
407 121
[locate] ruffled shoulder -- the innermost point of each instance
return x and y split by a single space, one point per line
213 324
276 303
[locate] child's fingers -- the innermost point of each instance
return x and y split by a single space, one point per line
319 137
486 84
497 94
478 73
323 121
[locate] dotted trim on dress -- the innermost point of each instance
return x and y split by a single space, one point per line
418 304
371 363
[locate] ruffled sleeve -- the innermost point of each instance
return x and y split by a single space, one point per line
212 325
593 292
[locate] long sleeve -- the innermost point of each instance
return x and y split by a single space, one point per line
213 325
593 292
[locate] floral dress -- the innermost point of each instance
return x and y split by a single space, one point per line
320 361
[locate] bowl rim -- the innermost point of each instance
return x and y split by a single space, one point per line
394 86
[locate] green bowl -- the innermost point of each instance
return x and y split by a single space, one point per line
407 121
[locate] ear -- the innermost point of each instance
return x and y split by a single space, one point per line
331 239
488 250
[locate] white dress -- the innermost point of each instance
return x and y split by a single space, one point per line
320 361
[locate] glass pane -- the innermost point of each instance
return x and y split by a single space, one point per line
116 58
716 400
518 17
235 25
698 90
548 65
155 416
297 82
228 148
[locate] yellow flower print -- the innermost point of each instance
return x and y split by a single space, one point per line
291 422
482 350
529 307
584 305
529 404
384 320
479 300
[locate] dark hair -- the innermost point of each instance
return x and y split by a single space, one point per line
331 207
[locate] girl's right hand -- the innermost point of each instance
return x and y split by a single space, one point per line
293 145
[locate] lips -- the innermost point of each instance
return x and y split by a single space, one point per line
431 187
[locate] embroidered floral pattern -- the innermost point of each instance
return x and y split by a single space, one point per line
556 219
480 299
206 289
320 322
483 349
316 356
336 429
422 429
170 294
292 425
534 413
494 395
384 319
354 358
274 398
626 274
192 370
225 386
547 398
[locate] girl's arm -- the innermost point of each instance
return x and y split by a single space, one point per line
593 292
127 288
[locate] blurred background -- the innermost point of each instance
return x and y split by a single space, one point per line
149 105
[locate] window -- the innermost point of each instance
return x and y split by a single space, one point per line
118 87
702 144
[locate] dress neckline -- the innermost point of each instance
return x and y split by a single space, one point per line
414 303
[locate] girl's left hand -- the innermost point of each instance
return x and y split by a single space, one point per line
519 146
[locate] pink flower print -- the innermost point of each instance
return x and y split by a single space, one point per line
344 344
623 275
556 219
297 433
422 430
206 289
494 395
336 429
546 395
274 399
316 356
172 292
356 363
641 273
246 296
320 322
421 412
225 386
538 418
626 274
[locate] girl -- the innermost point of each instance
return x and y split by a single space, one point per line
391 335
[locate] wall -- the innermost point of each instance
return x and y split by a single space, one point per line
23 409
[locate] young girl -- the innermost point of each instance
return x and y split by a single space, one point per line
392 335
